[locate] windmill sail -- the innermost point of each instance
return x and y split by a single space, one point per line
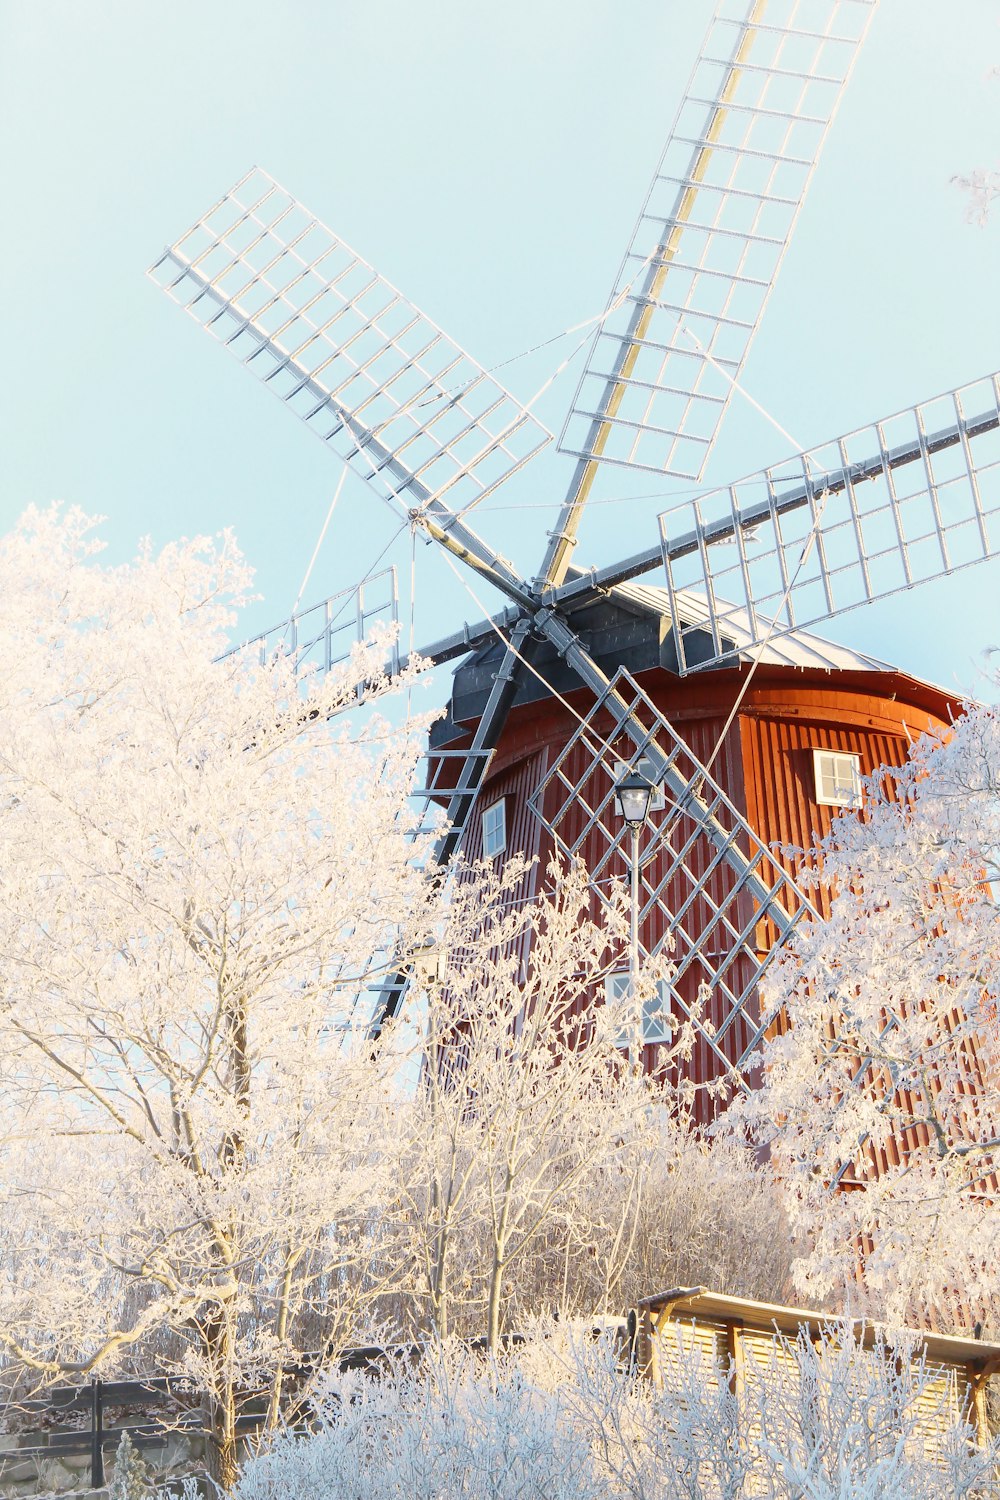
894 504
372 375
323 636
712 233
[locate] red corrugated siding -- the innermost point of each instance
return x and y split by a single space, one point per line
764 765
778 740
515 784
780 782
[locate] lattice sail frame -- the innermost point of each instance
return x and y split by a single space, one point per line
723 938
713 231
324 635
368 372
897 503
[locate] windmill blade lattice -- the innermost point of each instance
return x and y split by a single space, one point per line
324 635
359 364
713 231
900 502
694 895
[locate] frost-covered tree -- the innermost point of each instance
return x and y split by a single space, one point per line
131 1479
673 1209
197 865
526 1092
889 1075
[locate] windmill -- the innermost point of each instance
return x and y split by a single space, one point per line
434 433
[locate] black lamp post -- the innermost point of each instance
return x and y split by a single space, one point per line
633 795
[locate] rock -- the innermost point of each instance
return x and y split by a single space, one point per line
54 1477
19 1473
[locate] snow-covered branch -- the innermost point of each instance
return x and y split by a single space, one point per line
889 1073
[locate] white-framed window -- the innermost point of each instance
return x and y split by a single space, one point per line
644 766
494 829
657 1020
838 778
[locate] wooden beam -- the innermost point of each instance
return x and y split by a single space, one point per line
975 1414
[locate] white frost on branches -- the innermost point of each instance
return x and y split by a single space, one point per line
890 1072
983 188
196 868
202 1176
131 1479
565 1419
525 1095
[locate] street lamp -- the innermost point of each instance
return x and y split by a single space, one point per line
633 795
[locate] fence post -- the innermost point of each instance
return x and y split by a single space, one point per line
96 1434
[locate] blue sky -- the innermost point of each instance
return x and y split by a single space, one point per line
490 161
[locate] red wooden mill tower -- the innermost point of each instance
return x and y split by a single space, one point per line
814 718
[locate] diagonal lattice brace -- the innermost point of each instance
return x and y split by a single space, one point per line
709 889
569 646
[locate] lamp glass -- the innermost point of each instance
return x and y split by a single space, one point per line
633 794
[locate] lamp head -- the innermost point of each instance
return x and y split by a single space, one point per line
633 795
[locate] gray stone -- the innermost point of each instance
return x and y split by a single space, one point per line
78 1461
54 1476
19 1473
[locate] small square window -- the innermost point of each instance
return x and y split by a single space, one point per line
657 1022
838 778
644 767
494 829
